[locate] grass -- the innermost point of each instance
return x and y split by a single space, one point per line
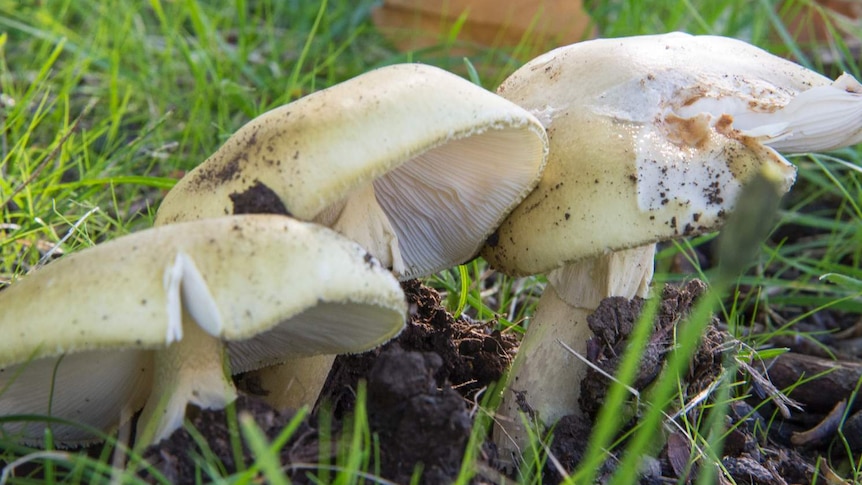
103 105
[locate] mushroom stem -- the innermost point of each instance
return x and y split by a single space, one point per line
575 291
191 370
296 382
362 218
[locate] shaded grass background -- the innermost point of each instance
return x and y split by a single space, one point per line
103 105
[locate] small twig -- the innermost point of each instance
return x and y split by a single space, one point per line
465 383
476 401
822 430
52 155
778 398
124 440
56 247
699 398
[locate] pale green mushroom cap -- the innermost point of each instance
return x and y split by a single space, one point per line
415 163
272 286
652 137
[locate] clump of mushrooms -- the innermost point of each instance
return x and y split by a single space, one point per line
651 138
141 319
416 164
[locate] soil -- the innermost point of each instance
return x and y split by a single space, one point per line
423 388
257 199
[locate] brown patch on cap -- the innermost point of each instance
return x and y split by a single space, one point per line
258 199
724 125
692 132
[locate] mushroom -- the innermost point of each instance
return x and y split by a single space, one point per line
651 138
416 164
91 337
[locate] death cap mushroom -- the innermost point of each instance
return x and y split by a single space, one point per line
652 138
143 317
416 164
660 103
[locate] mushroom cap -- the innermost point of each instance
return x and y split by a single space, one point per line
257 271
643 140
247 279
447 160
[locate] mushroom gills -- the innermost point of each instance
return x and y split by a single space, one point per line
101 389
441 203
318 330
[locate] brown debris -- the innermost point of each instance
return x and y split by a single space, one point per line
473 354
836 380
824 430
612 323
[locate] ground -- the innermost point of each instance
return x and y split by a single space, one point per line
423 390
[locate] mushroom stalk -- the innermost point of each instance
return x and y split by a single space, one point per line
191 370
296 382
361 217
574 292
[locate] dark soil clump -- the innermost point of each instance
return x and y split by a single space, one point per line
472 354
258 199
174 459
612 323
415 421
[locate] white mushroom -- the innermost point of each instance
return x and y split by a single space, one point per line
93 335
651 139
416 164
